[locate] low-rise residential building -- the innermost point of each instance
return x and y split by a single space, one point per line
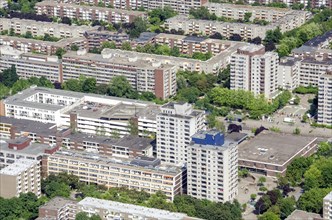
14 149
176 123
23 176
303 215
192 44
39 28
31 64
143 76
141 173
321 3
96 38
90 13
182 6
42 47
115 210
324 114
270 153
58 208
253 69
327 207
207 27
87 113
288 73
212 167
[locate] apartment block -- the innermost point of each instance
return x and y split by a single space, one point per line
321 4
155 77
324 115
192 44
23 176
253 69
311 69
87 113
327 207
176 123
207 27
129 146
115 210
288 73
141 173
96 38
31 64
41 47
90 13
212 170
39 28
284 18
58 208
182 6
14 149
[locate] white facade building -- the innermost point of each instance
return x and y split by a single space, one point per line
288 73
325 99
176 123
88 113
253 69
212 168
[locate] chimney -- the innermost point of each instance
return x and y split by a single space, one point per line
12 132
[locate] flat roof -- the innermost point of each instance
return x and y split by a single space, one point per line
131 209
272 147
128 141
303 215
30 126
34 149
18 167
19 98
138 162
57 203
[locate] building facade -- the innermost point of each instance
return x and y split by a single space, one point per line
142 173
176 123
87 113
288 73
155 77
106 209
23 176
90 13
212 168
58 208
182 7
327 207
39 28
253 69
324 115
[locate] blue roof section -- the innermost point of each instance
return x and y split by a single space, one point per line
194 39
212 137
145 36
319 39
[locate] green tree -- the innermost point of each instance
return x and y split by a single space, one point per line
189 94
269 216
297 131
72 85
54 189
312 200
60 52
20 85
261 180
28 34
107 44
120 87
89 85
126 46
4 91
133 127
44 82
297 168
9 76
140 26
74 47
247 16
287 206
273 35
